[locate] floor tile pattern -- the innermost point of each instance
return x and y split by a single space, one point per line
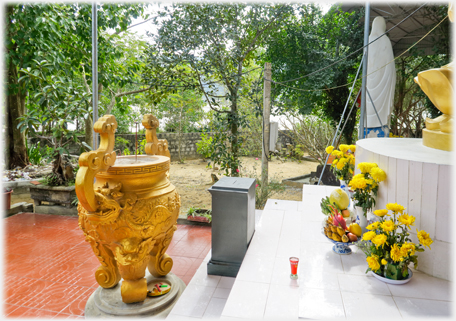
49 268
330 286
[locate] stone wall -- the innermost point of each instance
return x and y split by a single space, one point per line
188 148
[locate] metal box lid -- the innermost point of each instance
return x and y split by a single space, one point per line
242 184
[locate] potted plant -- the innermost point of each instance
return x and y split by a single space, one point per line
199 215
7 197
365 187
388 247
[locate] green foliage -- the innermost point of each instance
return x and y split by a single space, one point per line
195 211
203 147
126 152
34 154
410 102
121 144
75 201
262 191
50 47
223 142
183 111
252 135
310 42
210 47
142 147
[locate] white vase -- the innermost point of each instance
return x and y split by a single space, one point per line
361 219
344 187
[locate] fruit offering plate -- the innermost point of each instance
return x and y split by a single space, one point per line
341 248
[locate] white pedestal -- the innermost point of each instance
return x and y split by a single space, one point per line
418 178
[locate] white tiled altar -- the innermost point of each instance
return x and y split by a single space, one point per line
329 285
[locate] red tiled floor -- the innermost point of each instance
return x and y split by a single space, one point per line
50 269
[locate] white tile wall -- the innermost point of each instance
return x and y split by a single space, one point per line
443 215
422 187
429 197
414 199
402 181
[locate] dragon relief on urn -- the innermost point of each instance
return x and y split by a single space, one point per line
127 209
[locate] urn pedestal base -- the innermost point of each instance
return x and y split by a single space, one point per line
437 139
105 303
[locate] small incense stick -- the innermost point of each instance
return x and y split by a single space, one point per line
136 143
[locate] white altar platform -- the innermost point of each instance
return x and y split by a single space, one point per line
418 178
329 285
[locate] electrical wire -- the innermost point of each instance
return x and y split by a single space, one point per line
195 86
348 84
351 54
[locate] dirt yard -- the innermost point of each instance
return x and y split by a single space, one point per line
193 178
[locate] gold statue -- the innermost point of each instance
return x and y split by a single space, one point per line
437 85
129 214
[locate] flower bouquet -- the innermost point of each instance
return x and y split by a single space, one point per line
365 185
387 245
343 164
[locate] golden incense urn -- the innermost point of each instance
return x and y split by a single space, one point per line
128 209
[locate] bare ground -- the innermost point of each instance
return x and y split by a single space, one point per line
192 179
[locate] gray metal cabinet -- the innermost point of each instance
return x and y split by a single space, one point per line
233 223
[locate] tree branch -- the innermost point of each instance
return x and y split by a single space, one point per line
125 93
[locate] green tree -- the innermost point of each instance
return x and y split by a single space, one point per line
61 36
218 42
182 112
306 44
410 102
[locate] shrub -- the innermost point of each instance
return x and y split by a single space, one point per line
311 134
262 191
203 147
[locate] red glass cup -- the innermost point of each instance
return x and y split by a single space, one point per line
294 267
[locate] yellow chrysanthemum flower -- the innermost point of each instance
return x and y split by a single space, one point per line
377 174
372 261
408 248
373 226
335 162
369 235
396 253
343 148
388 226
395 207
353 148
366 167
358 182
350 170
406 219
379 240
384 262
381 213
329 149
341 163
424 238
337 153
